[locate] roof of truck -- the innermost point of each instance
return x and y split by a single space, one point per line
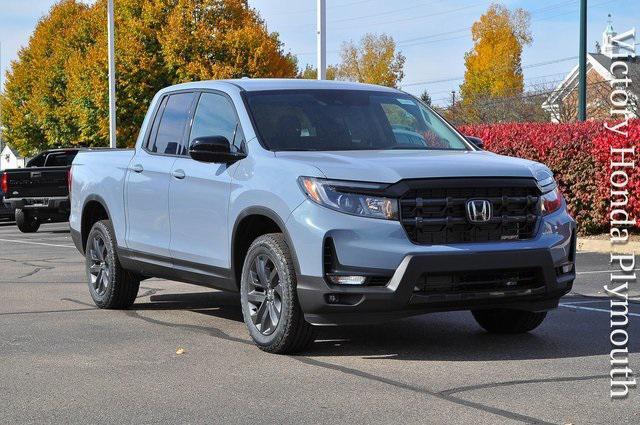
261 84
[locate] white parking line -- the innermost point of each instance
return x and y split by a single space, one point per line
37 243
604 300
575 307
599 271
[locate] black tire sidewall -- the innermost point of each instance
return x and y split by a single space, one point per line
26 221
263 245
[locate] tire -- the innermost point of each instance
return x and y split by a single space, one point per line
110 286
269 298
504 321
27 222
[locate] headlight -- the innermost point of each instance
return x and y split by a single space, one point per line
349 197
551 201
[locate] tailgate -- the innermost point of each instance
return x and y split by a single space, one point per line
37 182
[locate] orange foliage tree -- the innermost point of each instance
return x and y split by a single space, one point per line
494 66
56 91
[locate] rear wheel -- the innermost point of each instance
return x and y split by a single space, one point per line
110 285
269 298
504 321
27 221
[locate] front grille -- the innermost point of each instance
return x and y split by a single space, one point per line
435 212
479 281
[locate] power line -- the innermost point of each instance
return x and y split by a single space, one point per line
499 100
446 80
415 41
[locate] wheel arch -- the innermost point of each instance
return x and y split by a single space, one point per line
93 210
251 223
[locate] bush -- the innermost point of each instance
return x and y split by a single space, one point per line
577 153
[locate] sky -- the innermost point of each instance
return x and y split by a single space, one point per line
433 35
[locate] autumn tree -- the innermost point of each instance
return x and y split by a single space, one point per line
311 72
373 60
494 65
35 107
56 91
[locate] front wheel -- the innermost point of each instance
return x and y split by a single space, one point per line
27 221
505 321
110 285
269 298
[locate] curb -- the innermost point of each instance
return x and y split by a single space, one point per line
605 247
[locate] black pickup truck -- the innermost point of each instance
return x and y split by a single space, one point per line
39 193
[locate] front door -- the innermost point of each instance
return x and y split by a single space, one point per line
199 192
148 177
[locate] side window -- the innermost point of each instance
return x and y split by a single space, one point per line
216 116
172 125
38 161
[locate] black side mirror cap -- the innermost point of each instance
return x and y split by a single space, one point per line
214 149
477 142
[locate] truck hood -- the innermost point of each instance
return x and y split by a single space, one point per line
392 166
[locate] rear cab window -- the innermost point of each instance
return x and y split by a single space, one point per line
170 124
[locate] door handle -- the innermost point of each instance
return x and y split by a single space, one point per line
137 168
178 174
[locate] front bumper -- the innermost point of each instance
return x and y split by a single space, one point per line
326 304
381 247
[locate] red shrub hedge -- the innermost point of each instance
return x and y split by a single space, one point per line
577 153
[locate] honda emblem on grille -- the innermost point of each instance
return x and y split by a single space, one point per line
478 210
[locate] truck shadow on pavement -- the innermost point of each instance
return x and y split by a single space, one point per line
452 336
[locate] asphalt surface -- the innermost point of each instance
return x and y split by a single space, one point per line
62 360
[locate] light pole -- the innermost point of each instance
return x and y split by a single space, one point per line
582 64
322 39
112 75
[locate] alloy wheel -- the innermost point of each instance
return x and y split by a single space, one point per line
264 294
100 268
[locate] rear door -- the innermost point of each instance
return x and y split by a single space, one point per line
147 184
199 192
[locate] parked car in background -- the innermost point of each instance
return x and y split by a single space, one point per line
6 212
39 193
322 203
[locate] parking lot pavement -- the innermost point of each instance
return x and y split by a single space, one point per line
63 360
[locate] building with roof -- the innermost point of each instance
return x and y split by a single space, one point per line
10 158
562 103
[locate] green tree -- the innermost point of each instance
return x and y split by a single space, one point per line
494 65
56 91
373 60
425 97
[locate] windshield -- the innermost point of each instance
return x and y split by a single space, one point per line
328 120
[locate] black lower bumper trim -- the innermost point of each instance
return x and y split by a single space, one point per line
326 304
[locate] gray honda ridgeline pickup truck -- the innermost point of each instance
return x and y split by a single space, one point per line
321 203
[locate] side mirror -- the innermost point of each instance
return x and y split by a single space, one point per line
477 142
214 149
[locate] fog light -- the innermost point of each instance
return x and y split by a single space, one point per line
347 280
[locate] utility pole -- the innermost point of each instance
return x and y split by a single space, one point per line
1 91
582 64
112 75
322 39
453 98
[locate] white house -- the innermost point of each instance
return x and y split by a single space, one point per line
10 158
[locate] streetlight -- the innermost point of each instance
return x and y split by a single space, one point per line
112 75
322 39
582 64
